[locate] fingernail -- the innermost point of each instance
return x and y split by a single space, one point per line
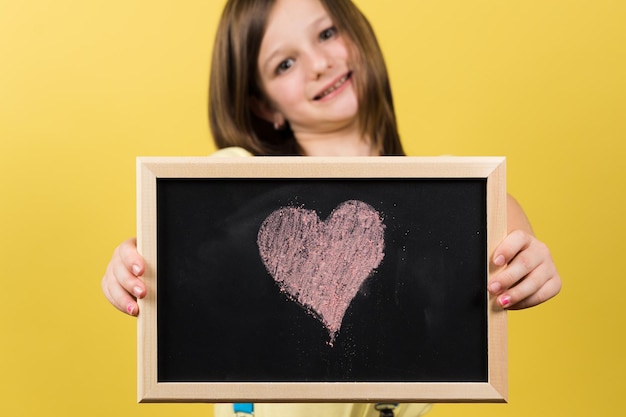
137 291
136 269
130 309
499 261
495 287
505 300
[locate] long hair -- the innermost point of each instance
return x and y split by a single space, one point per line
234 80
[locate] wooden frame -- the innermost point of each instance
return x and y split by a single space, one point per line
151 169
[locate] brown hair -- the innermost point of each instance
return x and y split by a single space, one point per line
234 75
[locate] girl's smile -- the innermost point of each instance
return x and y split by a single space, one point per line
337 87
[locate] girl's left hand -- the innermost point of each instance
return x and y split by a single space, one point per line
529 277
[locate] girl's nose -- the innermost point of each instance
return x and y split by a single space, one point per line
320 62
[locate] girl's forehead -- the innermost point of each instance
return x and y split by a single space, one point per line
294 13
289 21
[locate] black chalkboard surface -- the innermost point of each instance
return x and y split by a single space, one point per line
310 279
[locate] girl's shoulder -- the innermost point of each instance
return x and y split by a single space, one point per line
231 151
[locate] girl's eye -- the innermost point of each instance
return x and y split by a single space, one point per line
328 33
284 65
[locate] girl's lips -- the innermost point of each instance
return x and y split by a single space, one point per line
337 84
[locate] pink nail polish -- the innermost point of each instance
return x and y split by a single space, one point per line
130 309
505 301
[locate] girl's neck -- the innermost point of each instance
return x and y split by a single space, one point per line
335 144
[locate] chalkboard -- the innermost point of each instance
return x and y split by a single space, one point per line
320 279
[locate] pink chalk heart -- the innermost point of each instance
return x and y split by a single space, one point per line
322 264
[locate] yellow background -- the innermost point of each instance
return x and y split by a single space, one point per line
85 86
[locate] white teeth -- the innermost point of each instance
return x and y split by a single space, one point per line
333 87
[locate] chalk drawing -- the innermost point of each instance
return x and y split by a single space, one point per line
322 264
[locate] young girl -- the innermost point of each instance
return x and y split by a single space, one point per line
307 77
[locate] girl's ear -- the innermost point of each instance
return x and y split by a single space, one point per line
261 108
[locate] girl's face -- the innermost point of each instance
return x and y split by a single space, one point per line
304 70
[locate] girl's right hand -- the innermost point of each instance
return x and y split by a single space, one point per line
122 284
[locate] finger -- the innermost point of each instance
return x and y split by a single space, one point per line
535 283
514 243
521 266
524 287
127 280
118 296
551 288
130 257
129 267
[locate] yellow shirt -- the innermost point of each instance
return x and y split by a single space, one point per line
314 409
323 410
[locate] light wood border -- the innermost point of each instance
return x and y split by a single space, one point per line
151 168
